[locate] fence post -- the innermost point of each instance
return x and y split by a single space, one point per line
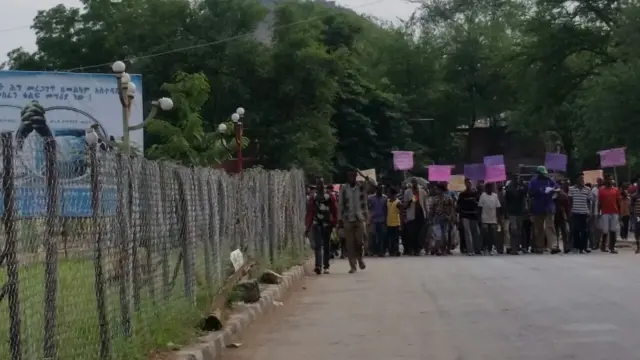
51 248
165 203
11 288
136 226
146 226
185 238
273 209
103 322
123 265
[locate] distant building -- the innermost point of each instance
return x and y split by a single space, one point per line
518 149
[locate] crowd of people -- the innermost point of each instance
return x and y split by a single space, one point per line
515 217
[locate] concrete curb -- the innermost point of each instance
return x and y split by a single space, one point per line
211 346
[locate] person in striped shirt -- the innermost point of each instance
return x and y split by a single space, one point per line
580 199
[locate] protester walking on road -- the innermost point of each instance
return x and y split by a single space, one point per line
635 215
625 213
415 202
352 215
504 236
562 216
596 233
489 205
378 211
541 189
515 198
580 201
320 220
394 223
467 208
442 216
609 204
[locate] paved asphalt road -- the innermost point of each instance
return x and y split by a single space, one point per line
546 307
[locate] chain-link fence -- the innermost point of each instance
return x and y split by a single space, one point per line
107 257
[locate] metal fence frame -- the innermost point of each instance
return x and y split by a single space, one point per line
97 284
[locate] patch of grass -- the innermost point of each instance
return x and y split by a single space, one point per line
159 321
288 258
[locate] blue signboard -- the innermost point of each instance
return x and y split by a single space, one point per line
77 202
72 103
72 202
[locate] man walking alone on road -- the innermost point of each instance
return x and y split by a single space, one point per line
609 205
352 214
541 189
321 219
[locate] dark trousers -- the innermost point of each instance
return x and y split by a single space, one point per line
380 243
624 231
322 245
393 239
527 233
463 238
489 236
636 232
411 238
580 231
561 231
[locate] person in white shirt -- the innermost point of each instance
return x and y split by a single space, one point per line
489 203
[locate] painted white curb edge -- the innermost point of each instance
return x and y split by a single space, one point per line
210 346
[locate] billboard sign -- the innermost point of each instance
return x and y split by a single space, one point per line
73 103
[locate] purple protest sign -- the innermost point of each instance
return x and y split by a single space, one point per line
612 157
495 173
402 160
555 161
439 172
474 171
494 160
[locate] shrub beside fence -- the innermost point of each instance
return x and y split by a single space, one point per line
123 255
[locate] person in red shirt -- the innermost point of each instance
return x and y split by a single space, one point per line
322 216
633 187
609 205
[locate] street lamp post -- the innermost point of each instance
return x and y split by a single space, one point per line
239 129
126 94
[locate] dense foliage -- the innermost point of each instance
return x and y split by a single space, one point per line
326 89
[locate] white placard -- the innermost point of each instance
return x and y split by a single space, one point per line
237 259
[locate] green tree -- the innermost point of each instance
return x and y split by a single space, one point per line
187 142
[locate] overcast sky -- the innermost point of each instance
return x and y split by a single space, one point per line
18 15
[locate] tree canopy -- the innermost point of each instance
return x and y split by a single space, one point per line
326 89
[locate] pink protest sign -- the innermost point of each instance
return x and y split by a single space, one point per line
612 157
495 173
440 172
402 160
